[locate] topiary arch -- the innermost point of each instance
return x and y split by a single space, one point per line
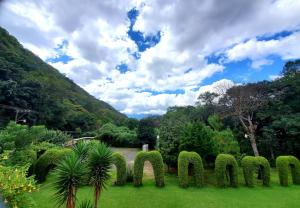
250 164
283 164
184 160
226 163
155 158
47 161
120 163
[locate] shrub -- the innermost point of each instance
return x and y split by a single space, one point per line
55 137
224 164
184 159
120 162
250 164
155 158
283 164
129 173
23 157
48 161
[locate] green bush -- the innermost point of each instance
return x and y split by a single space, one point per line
48 161
284 164
224 164
155 158
120 162
55 137
184 159
23 157
250 164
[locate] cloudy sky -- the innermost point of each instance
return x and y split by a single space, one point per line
144 56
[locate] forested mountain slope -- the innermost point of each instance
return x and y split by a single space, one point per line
26 82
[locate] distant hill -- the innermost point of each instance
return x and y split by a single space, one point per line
28 83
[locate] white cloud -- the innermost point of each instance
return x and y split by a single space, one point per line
96 32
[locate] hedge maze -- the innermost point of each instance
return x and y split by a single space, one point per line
121 166
286 163
226 164
155 158
251 164
185 159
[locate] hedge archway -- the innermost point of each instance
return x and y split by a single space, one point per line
155 158
120 162
250 164
184 160
47 161
283 164
226 163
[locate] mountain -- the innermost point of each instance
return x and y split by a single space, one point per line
34 92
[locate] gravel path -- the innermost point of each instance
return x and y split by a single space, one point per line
130 154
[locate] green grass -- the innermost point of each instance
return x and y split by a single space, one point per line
172 196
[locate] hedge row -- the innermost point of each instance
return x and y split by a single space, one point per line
184 160
48 161
286 163
155 158
251 164
120 162
226 164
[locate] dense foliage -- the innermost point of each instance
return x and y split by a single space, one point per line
286 163
121 167
117 136
193 160
156 160
226 165
251 164
146 133
27 83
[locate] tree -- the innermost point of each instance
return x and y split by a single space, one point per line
243 102
146 132
291 67
70 174
99 166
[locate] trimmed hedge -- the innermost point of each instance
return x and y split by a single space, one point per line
120 162
250 165
155 158
48 161
283 164
184 159
226 163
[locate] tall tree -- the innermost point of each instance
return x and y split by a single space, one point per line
243 102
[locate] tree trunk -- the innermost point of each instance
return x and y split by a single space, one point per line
97 196
253 144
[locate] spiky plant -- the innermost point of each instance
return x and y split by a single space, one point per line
81 149
69 174
100 163
86 204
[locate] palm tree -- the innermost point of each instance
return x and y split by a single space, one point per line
100 163
69 174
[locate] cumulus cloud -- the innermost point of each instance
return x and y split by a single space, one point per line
192 30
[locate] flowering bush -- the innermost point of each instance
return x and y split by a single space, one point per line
14 185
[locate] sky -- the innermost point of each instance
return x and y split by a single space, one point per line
145 56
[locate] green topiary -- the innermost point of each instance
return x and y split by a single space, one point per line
48 161
283 164
184 159
224 164
155 158
120 162
250 164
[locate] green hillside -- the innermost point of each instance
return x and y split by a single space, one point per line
28 83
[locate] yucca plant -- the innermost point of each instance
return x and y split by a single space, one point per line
81 149
86 204
69 175
100 162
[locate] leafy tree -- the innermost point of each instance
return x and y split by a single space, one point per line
146 132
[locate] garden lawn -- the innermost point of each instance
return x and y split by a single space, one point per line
172 196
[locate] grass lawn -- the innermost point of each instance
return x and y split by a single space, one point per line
172 196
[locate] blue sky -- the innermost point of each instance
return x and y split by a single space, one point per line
142 57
